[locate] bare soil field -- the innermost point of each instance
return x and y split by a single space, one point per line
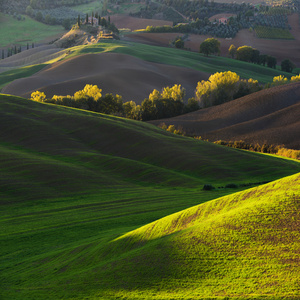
130 77
270 116
125 21
281 49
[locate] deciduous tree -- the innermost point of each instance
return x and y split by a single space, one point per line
287 66
210 46
232 51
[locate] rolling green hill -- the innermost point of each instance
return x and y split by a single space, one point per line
74 184
169 56
244 245
182 58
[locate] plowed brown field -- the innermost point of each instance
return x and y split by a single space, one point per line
270 116
281 49
130 77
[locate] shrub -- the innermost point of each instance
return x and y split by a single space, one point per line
231 186
208 187
279 80
38 96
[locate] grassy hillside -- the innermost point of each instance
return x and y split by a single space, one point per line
244 245
14 32
169 56
72 182
183 58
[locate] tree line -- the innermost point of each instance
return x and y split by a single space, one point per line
221 87
14 50
165 104
245 53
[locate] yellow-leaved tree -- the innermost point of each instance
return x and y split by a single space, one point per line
38 96
176 92
89 91
279 80
219 88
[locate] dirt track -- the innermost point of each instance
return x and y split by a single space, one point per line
130 77
270 116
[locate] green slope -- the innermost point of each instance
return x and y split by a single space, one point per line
245 245
14 32
73 181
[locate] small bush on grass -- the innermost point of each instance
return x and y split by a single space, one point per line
208 187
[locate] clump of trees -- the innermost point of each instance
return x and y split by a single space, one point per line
168 103
280 80
222 87
252 55
90 98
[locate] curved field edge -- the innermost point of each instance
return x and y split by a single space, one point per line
9 76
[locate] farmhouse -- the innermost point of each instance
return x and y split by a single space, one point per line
93 20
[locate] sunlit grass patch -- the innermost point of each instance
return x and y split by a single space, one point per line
95 206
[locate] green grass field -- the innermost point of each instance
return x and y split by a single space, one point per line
14 32
88 8
264 32
77 187
121 8
9 76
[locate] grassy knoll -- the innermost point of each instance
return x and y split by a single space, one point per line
182 58
73 181
14 32
244 245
